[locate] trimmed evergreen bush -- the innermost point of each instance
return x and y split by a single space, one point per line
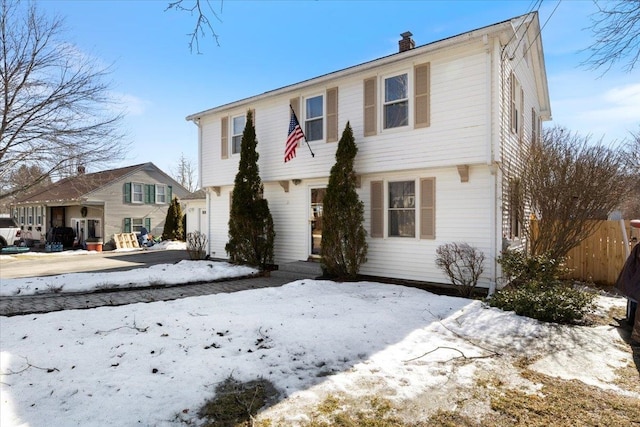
558 302
535 289
519 268
344 245
251 232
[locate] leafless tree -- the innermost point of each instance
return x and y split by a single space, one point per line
462 263
185 173
56 107
570 180
631 207
616 32
20 177
203 11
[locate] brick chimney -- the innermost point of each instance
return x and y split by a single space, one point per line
407 42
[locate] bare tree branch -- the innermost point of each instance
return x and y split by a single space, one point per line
616 30
185 173
570 180
201 9
57 111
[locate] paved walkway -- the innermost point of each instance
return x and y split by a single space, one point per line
27 304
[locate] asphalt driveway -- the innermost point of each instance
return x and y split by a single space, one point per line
48 265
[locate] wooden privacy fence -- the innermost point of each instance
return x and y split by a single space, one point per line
601 256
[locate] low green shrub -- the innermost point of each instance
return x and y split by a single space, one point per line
519 268
547 302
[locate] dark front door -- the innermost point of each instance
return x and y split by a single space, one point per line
317 196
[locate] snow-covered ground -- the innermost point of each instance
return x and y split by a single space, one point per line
163 274
152 364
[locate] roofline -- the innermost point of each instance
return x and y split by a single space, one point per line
429 47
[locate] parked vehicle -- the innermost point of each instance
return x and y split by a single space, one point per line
9 232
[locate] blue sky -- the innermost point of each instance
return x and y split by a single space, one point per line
265 45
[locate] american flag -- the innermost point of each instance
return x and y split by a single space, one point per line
295 135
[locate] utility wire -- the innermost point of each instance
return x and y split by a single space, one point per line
539 32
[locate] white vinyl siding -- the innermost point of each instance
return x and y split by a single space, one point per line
456 134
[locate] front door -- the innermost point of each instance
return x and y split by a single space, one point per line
317 196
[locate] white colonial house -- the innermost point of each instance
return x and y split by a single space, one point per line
439 129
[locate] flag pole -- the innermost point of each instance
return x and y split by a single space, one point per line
305 136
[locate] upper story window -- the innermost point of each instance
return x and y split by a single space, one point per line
237 128
387 100
314 114
137 193
161 194
396 101
516 106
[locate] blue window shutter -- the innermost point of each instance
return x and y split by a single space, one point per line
127 225
127 192
169 193
147 224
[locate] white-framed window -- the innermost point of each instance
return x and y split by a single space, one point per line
136 224
137 192
395 111
30 215
516 208
22 216
314 118
161 194
39 210
516 97
237 128
402 209
535 126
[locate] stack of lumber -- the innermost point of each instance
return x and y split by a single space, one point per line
126 240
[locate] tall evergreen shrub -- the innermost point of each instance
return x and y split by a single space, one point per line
344 246
173 225
251 232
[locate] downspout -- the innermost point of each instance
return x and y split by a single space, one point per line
493 68
197 123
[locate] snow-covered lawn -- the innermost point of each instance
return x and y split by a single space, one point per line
153 364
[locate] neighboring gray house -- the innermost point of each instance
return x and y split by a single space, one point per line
101 204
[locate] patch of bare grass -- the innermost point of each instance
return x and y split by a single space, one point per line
557 403
344 411
236 403
560 403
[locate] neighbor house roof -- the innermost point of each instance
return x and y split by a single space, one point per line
75 187
196 195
